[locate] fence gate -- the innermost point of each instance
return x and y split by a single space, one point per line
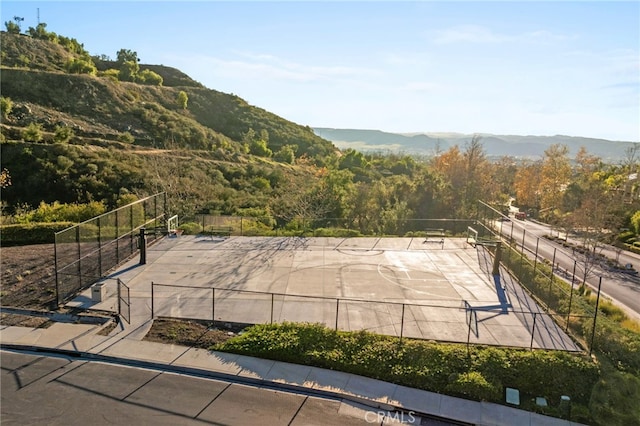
124 302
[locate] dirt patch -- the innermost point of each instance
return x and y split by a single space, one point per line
197 334
27 276
28 282
104 331
25 320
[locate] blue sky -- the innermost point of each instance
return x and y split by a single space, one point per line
509 67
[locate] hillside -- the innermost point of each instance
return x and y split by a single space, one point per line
428 144
129 136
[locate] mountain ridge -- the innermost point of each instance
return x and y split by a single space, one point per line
429 144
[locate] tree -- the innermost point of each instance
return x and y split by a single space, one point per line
63 134
630 169
556 172
129 71
182 99
14 27
477 179
40 32
526 185
259 147
126 55
286 154
6 105
32 133
466 175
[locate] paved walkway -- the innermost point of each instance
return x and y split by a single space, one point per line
127 347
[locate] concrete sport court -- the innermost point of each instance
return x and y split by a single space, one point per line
437 289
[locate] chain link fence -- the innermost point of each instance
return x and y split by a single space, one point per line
455 321
252 226
86 252
556 289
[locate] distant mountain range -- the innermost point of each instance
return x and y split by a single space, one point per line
428 144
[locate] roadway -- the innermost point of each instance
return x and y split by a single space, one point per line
622 288
58 390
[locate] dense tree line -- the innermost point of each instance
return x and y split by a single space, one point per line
368 192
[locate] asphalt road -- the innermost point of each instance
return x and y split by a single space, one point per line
37 389
622 288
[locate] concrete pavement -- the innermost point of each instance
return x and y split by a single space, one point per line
126 347
395 286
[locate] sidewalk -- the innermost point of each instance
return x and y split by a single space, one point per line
126 347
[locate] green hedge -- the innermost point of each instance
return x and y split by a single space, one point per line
31 233
619 345
481 373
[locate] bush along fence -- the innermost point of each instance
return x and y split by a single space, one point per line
564 294
320 227
87 251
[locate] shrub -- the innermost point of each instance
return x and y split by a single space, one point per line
614 401
182 99
423 365
33 133
33 233
473 385
126 137
191 228
58 212
337 232
80 66
63 134
150 77
112 74
6 105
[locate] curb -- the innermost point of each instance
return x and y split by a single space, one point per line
199 372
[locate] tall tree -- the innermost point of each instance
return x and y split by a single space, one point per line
526 185
127 55
556 173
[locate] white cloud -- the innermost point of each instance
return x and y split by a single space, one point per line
420 86
480 34
269 67
468 33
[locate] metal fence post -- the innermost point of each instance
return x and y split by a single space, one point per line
402 324
271 308
469 329
553 263
152 304
573 280
99 247
79 256
535 258
595 316
213 305
533 331
120 297
55 261
117 235
337 308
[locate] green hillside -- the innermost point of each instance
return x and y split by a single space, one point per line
135 137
